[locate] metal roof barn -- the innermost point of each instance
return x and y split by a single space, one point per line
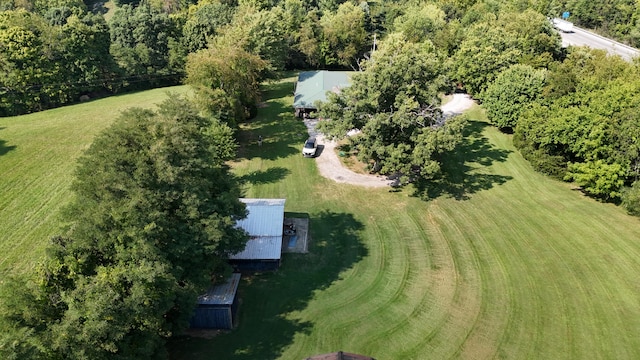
312 86
264 223
217 307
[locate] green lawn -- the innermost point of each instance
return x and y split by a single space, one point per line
37 160
106 8
495 261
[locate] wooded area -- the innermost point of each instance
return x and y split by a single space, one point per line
150 226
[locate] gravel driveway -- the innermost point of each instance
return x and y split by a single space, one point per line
331 167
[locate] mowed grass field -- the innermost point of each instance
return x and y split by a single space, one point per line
37 160
495 261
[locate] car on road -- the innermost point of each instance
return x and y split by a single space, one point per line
310 147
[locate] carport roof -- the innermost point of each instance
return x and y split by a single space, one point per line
264 223
312 86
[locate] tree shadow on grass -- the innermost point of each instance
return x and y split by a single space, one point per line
270 175
282 133
265 328
97 6
462 169
3 146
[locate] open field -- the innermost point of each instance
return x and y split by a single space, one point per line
495 261
37 160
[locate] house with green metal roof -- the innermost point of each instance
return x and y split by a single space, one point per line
312 86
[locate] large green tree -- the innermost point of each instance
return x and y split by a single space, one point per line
29 79
89 66
151 224
226 80
585 128
264 34
260 32
485 52
203 23
539 43
51 62
344 36
140 44
512 91
420 22
294 13
394 103
495 41
308 39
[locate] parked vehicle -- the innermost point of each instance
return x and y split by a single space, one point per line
563 25
310 147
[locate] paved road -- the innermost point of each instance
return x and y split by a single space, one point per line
582 37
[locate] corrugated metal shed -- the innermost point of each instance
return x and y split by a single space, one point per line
264 223
222 294
217 308
312 86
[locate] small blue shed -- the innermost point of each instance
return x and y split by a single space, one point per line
217 308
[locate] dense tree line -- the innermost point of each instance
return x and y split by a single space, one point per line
54 52
74 51
575 119
572 111
151 225
583 126
53 56
47 62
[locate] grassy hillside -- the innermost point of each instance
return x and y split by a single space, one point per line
496 261
37 159
106 8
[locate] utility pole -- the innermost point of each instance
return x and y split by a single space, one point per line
374 43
